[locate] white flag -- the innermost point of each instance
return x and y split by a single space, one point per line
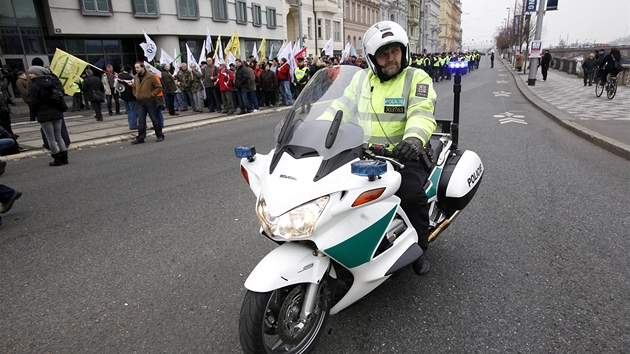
231 59
271 52
190 58
150 67
219 60
209 48
282 47
353 51
255 52
285 51
328 48
165 58
346 50
150 49
202 55
176 62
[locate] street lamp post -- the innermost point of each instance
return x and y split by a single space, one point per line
507 32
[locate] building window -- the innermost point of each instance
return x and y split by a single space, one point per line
363 15
328 29
271 17
146 8
319 28
96 7
241 12
337 31
187 10
353 18
256 15
309 26
347 12
219 10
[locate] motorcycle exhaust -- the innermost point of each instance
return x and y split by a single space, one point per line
443 226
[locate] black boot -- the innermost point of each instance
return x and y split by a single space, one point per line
57 161
421 265
63 156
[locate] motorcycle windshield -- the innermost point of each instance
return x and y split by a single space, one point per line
308 129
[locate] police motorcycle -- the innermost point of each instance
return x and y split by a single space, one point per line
327 199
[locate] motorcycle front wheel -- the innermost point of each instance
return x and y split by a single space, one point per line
270 322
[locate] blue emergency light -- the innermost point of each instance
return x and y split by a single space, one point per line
457 64
370 169
245 152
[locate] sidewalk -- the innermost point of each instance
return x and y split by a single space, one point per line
565 99
85 131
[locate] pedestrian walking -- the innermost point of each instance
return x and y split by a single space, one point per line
284 83
76 97
225 82
252 97
109 79
184 79
196 87
520 60
268 84
5 110
210 74
168 82
22 86
544 64
491 60
146 87
241 81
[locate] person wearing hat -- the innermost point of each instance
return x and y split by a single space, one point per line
49 116
301 74
588 66
22 85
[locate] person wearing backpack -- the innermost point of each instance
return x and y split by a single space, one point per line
49 114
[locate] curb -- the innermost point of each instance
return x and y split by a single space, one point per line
130 136
616 147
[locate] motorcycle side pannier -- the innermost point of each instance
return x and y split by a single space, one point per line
460 179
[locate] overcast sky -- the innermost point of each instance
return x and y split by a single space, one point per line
582 20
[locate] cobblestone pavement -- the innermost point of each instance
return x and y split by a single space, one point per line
568 93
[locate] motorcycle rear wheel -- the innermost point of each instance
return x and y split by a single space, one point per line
269 321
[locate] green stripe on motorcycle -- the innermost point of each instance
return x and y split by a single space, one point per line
359 248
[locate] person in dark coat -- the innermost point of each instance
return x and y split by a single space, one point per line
544 63
607 64
268 83
91 84
241 81
47 114
125 78
168 82
588 68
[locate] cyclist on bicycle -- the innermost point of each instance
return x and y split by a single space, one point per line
607 64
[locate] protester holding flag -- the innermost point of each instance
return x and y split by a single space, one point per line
284 82
109 82
48 114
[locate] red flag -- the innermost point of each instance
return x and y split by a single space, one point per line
300 54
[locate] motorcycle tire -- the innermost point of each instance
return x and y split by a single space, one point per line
268 322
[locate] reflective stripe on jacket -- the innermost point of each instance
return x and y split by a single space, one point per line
410 102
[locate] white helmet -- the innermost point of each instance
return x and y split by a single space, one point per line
381 35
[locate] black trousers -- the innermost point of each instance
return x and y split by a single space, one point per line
543 70
414 201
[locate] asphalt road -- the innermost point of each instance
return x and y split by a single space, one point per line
146 248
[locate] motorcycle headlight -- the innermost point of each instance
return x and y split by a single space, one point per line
296 223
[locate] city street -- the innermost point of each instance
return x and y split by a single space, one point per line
145 249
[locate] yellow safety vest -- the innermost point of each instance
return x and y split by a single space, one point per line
391 111
299 74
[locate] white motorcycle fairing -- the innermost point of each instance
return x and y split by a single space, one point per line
290 263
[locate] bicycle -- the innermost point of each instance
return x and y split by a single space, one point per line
610 85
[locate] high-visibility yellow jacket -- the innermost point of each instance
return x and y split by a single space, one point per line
391 111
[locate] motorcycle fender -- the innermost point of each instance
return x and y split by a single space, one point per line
290 263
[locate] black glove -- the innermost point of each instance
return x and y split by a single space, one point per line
408 149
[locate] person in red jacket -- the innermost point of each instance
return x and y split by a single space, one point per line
225 81
284 83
